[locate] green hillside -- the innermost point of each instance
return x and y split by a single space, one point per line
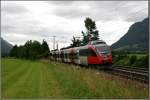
136 39
5 47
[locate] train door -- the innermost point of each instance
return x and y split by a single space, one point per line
65 56
77 60
83 56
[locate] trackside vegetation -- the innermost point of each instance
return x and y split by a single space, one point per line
31 50
131 59
49 79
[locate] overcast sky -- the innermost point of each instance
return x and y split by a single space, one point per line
38 20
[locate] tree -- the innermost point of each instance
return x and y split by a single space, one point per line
90 25
36 49
45 48
27 49
86 38
21 52
31 50
75 42
13 52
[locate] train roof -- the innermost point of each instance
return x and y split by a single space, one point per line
90 44
97 42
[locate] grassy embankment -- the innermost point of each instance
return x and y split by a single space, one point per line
44 79
133 60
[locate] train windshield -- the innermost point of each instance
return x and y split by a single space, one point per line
104 50
97 42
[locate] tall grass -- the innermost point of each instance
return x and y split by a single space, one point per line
47 79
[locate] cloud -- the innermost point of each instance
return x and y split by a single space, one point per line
104 10
13 8
71 13
60 2
37 20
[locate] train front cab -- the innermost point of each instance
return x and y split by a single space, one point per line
89 56
104 54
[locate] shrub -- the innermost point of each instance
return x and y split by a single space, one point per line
132 59
142 62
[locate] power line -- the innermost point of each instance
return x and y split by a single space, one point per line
55 42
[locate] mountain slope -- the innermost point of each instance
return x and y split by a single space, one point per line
5 47
136 39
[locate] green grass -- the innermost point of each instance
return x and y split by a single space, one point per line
141 60
45 79
138 55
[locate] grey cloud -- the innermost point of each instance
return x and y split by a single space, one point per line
125 10
134 11
7 27
136 16
60 2
71 13
68 9
105 10
14 19
30 28
12 8
27 25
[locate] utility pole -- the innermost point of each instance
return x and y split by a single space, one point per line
57 45
53 42
56 42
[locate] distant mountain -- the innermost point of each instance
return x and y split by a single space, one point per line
136 39
5 47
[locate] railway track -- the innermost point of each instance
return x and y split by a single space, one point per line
139 74
133 73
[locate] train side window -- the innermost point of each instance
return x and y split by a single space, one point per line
91 52
80 52
65 55
76 55
83 52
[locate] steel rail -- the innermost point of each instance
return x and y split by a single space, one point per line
130 73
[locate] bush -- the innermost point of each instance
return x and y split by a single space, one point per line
142 62
132 59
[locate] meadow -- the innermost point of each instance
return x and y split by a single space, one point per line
49 79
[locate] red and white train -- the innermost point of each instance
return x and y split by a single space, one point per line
94 53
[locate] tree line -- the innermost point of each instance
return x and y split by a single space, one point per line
31 50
